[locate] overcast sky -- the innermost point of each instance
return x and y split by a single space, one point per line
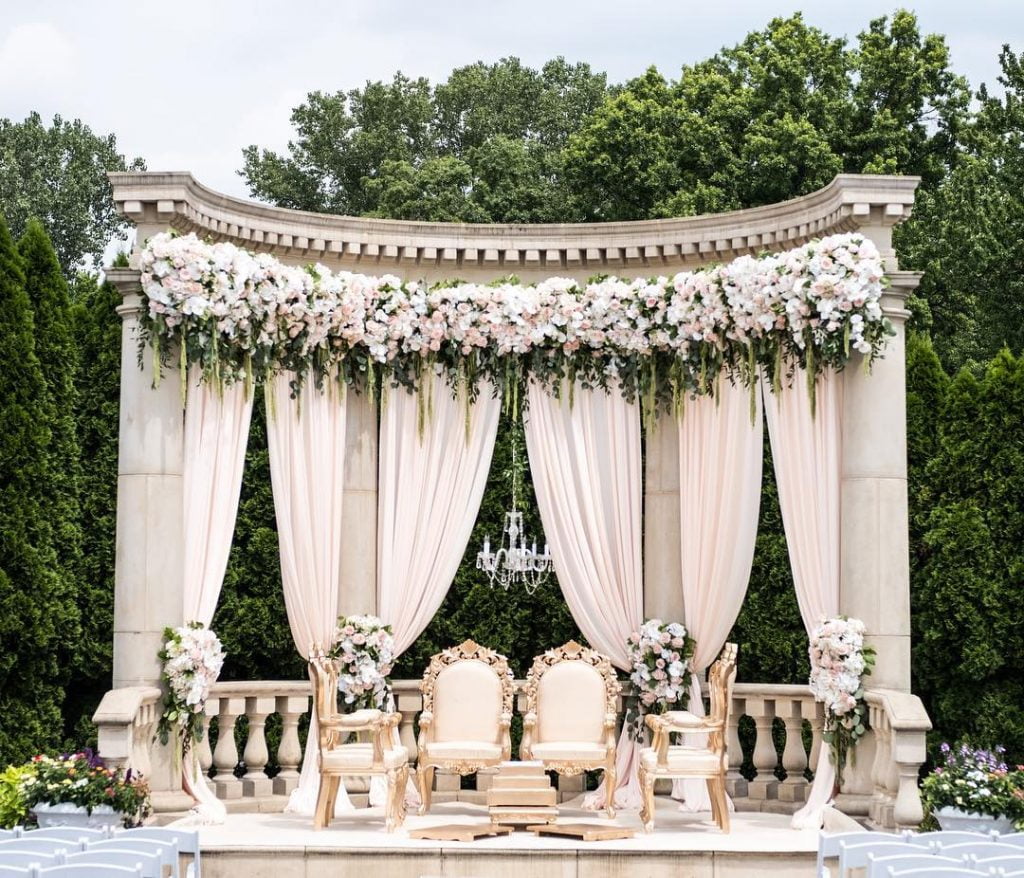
187 84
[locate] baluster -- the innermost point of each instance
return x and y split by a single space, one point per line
765 785
736 783
794 757
817 719
203 748
225 754
255 783
409 704
878 770
289 753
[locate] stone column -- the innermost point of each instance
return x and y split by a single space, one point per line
875 565
148 568
663 585
357 591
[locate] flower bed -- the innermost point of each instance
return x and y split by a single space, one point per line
975 782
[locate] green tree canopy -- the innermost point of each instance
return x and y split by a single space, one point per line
58 173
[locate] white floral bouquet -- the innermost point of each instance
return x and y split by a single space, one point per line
192 658
660 655
243 316
365 647
839 661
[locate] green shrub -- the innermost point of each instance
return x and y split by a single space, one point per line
13 807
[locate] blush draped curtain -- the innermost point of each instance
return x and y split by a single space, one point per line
216 434
433 472
435 454
306 442
807 450
720 456
586 464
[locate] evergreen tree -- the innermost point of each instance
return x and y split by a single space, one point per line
58 358
36 616
97 332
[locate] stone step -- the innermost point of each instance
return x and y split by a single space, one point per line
524 798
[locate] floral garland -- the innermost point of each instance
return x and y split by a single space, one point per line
659 654
244 316
839 661
366 648
192 657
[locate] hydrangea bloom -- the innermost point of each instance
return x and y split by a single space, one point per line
192 660
365 648
660 656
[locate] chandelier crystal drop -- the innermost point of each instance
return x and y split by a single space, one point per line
515 561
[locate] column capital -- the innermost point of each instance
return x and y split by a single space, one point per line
127 281
894 299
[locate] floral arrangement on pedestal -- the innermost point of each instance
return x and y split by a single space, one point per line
839 661
192 658
57 789
975 789
660 655
365 647
244 317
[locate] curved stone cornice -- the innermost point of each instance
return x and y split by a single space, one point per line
156 201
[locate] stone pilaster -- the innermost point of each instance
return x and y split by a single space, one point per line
663 586
148 575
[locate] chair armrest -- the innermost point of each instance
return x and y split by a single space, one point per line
610 720
359 721
529 720
506 720
426 719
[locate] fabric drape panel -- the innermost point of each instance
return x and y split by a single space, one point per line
720 456
216 434
432 475
586 465
306 442
807 451
432 479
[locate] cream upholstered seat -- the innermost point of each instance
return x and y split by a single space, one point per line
662 759
467 712
571 707
381 755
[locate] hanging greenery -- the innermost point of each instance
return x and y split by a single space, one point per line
244 316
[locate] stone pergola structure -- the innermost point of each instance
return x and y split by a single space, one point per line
874 558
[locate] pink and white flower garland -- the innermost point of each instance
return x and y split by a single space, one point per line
192 659
660 655
839 661
366 649
244 316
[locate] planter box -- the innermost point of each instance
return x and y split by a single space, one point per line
67 814
969 821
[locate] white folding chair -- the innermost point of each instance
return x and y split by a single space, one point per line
855 856
7 833
37 845
166 850
947 837
1005 862
913 858
979 850
944 872
1016 838
187 841
26 859
90 870
72 833
15 872
150 864
828 844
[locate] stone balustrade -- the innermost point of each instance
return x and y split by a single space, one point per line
774 740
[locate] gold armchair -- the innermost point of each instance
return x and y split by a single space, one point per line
571 707
378 756
467 712
662 759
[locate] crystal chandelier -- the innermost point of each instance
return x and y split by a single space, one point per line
515 560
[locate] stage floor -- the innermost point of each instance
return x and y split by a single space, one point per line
266 845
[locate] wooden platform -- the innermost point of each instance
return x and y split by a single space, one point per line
265 845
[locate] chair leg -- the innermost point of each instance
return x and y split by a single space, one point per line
391 802
722 802
647 799
333 801
425 778
709 782
610 782
320 818
403 785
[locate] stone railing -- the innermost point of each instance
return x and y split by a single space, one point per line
126 722
774 739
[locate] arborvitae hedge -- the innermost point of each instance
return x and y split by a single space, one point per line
58 358
97 332
37 618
